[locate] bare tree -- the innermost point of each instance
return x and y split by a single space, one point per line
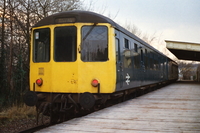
17 18
187 69
133 29
48 7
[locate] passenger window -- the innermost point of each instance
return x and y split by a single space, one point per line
152 61
155 62
142 56
135 47
126 43
65 44
146 59
127 59
136 61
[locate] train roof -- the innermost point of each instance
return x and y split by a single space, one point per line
76 16
79 16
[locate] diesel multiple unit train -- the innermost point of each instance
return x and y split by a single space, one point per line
80 59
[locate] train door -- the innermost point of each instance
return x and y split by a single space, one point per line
162 67
166 69
119 64
142 66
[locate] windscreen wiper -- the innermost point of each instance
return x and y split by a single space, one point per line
79 49
89 31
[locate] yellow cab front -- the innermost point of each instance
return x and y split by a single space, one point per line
68 58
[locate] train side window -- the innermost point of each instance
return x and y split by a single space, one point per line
94 45
161 67
41 45
135 47
126 43
152 61
117 48
136 57
146 59
136 60
142 56
155 62
65 44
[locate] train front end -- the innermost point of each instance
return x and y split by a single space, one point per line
71 64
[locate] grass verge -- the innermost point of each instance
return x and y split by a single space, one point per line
16 112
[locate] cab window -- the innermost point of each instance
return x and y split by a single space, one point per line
94 46
65 45
41 45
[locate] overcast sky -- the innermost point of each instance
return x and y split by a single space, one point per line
177 20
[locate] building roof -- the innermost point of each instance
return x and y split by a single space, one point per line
184 50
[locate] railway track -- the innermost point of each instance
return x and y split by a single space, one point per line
34 129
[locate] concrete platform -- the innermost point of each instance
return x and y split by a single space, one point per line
174 109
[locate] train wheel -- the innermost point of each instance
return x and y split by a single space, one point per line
87 100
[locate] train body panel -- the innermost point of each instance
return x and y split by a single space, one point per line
137 63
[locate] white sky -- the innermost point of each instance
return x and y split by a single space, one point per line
177 20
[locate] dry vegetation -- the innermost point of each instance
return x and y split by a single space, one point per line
13 119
